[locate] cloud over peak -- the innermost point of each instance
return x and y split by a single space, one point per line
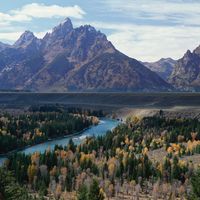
35 10
143 29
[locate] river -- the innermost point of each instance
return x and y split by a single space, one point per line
98 130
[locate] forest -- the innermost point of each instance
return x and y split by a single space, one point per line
117 165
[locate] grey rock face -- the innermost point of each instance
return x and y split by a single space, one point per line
186 74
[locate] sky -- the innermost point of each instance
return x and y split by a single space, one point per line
143 29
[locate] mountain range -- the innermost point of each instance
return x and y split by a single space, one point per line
183 74
163 67
186 74
82 59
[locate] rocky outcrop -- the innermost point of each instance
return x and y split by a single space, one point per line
186 74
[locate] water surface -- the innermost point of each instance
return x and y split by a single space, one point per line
99 130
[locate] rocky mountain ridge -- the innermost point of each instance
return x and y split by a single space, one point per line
186 74
73 59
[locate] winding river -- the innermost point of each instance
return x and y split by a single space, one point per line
101 129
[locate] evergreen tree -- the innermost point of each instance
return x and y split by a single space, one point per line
71 145
83 193
196 184
94 193
11 190
176 168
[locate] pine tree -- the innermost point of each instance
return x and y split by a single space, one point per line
10 189
83 193
72 146
176 168
196 184
94 193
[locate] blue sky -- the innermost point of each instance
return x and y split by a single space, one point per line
144 29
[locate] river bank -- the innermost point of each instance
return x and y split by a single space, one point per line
105 125
49 139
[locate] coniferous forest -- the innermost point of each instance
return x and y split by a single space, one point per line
151 157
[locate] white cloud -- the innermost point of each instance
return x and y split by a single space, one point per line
5 18
167 28
150 42
10 36
159 28
181 12
11 31
34 10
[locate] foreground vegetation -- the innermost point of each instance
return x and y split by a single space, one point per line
117 165
10 189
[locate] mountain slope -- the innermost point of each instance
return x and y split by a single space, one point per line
118 73
186 74
73 59
3 46
109 72
163 67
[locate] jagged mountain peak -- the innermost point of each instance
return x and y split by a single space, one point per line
186 74
67 22
63 28
197 50
74 59
58 32
88 28
89 32
166 59
187 57
188 53
26 38
78 44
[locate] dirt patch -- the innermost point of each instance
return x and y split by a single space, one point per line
159 154
175 112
